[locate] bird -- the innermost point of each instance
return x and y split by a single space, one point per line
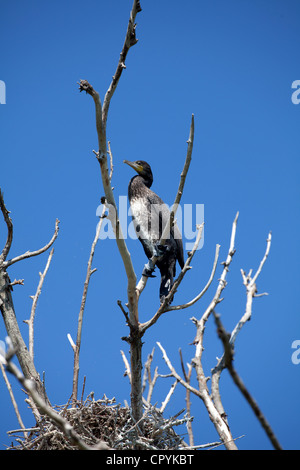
150 216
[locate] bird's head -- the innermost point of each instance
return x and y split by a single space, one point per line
142 168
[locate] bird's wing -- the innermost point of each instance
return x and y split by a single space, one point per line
160 217
179 245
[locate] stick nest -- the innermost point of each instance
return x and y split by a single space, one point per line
104 420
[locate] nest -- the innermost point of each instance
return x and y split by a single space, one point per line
104 420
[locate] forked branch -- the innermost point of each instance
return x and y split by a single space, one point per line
164 305
251 293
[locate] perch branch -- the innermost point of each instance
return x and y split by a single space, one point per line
198 297
164 305
110 160
111 204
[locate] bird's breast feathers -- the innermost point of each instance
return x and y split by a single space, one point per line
145 220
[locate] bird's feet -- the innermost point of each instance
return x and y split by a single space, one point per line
148 269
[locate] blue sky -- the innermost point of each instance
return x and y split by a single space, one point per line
230 63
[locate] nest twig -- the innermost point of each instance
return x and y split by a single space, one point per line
103 420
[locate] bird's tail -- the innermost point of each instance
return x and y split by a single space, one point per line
167 280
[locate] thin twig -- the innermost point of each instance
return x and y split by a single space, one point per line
198 297
14 403
130 40
269 239
17 282
187 378
34 304
217 297
151 382
168 397
89 273
203 393
127 366
147 369
200 325
30 254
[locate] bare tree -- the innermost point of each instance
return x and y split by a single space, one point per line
141 408
25 357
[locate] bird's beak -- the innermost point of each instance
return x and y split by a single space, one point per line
135 166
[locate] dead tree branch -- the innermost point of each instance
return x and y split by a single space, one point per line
30 254
200 324
12 397
202 390
110 202
130 40
101 120
250 284
164 305
6 301
228 362
198 297
90 271
30 322
187 378
203 393
9 225
251 292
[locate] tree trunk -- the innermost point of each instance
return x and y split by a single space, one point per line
13 331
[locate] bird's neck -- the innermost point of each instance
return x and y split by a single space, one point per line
138 181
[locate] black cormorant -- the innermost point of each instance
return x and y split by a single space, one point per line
150 215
